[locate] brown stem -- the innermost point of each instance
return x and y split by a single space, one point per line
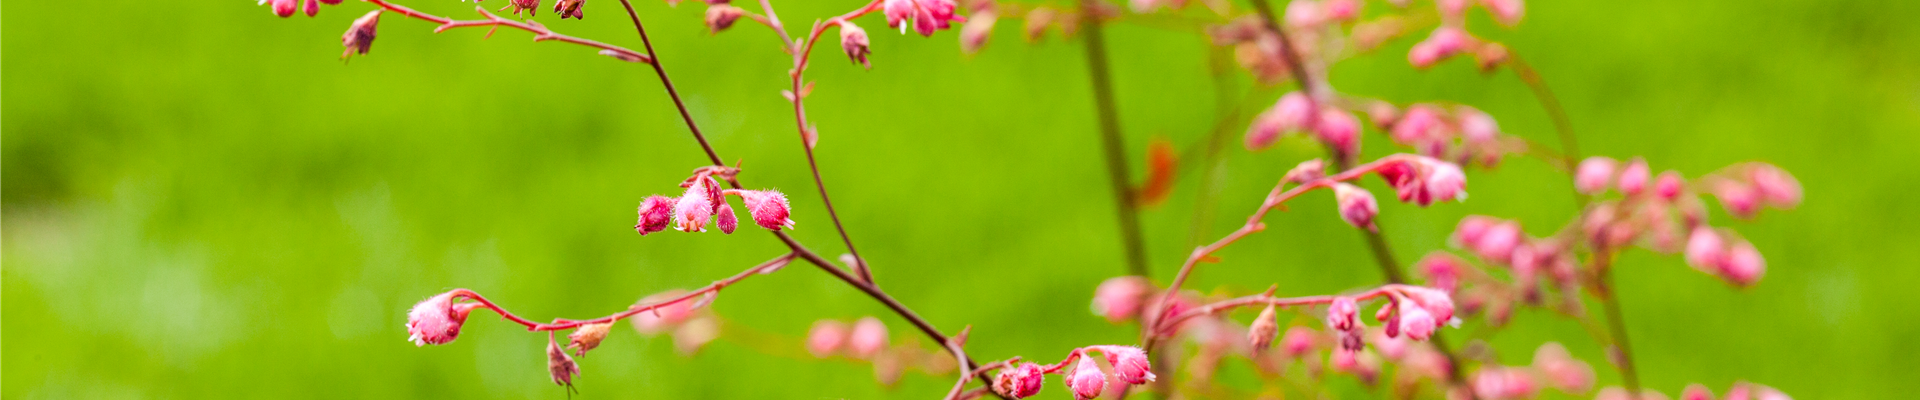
1126 206
807 134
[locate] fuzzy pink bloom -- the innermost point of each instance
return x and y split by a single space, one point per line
662 318
1018 382
1119 298
1508 12
1669 185
1340 10
1443 43
1299 341
1424 180
1343 314
436 320
926 16
1339 130
868 339
1264 327
1416 125
1563 372
1705 249
1633 178
1743 265
359 36
1129 364
1086 380
1740 199
694 210
283 8
1357 206
1434 301
769 208
1495 383
1696 392
1477 126
1776 186
1416 322
656 213
1497 244
1593 175
1291 113
1446 182
826 338
854 41
1441 269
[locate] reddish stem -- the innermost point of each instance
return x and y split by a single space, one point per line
563 324
541 33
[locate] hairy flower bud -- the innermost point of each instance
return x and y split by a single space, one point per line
826 338
1020 381
587 337
1416 322
693 210
560 366
1119 298
1260 334
726 220
1338 130
436 320
656 213
359 36
769 208
1633 178
569 8
1357 205
283 8
1129 364
721 16
1593 175
1291 113
869 337
853 40
1086 380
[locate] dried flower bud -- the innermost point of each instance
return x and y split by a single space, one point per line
1338 130
769 208
1292 112
569 8
656 213
1633 178
726 220
1264 328
1357 205
359 36
1343 314
1020 381
1129 364
826 338
977 30
1669 185
721 16
1444 42
530 6
1086 381
560 366
436 320
1593 175
869 337
1119 298
587 337
853 40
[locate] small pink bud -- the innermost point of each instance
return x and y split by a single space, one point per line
1338 130
588 337
826 338
1696 392
1705 249
1434 301
1446 182
769 208
1497 244
1020 382
1306 171
1265 326
436 320
284 8
359 36
1472 228
1508 12
656 213
1299 341
1304 14
1417 322
1497 383
721 16
569 8
1119 298
1292 112
1743 266
1444 42
1563 372
1086 381
311 7
1343 314
1441 269
1357 206
1593 175
1129 364
1669 185
1776 187
662 318
1740 199
1340 10
868 339
974 34
693 210
1633 178
531 7
560 366
727 221
1416 125
1476 125
854 41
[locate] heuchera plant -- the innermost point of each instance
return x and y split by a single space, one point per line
1494 266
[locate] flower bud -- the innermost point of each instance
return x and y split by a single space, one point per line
359 36
1416 125
1669 185
1343 314
1739 198
436 320
1446 182
1417 322
1593 175
975 33
869 337
721 16
1696 392
1633 178
1119 298
560 366
1497 244
1444 42
1019 382
769 208
1298 341
1306 171
1743 266
587 337
656 213
1338 130
1706 251
826 338
1508 12
1357 205
1086 380
284 8
1264 328
1129 364
569 8
726 220
694 210
1477 126
854 41
1441 269
1775 186
1292 112
311 7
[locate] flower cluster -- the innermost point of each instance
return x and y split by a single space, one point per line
1458 133
286 8
705 202
866 340
1660 213
1552 367
1080 370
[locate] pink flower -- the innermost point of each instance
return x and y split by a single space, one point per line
727 221
1776 187
1741 199
1306 171
1291 113
1477 126
826 338
311 7
1298 341
1339 130
656 212
283 8
1633 178
1021 381
854 41
694 209
1129 364
1508 12
1434 301
1343 314
359 36
1593 175
560 366
1417 125
1472 228
1086 380
1119 298
1503 383
1423 180
868 339
1669 185
1441 269
1357 206
436 320
1497 244
1743 266
663 318
769 208
1444 42
1563 372
926 16
1417 323
1705 249
1696 392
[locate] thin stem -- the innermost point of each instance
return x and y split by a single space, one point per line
671 92
1569 148
541 33
808 135
561 323
1226 110
1616 321
1126 205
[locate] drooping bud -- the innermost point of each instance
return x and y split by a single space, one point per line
1593 175
1338 130
769 208
560 366
726 220
283 8
1260 334
1508 12
656 213
1129 364
721 16
1292 112
1743 266
1119 298
569 8
1086 380
977 30
853 40
1633 178
1444 42
311 7
436 320
359 36
1669 185
1776 186
826 338
1357 205
1020 381
587 337
530 6
1416 322
869 337
694 209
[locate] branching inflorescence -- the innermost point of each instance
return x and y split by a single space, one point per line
1623 205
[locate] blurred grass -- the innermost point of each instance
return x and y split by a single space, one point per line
199 201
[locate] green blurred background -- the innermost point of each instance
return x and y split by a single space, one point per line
201 201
